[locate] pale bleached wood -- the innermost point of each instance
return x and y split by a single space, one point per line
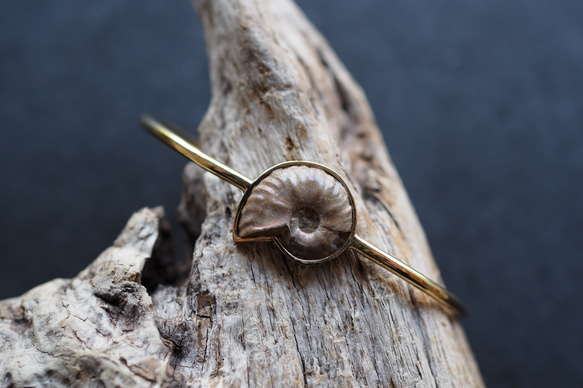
247 316
97 327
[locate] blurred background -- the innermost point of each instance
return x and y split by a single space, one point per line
480 103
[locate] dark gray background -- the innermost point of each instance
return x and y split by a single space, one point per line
480 102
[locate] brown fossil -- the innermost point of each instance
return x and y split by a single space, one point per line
306 208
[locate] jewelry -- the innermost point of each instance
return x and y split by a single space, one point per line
305 208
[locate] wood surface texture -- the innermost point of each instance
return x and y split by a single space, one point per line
244 315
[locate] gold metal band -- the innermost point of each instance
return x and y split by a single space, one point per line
184 143
410 275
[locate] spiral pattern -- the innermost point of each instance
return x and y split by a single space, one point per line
306 208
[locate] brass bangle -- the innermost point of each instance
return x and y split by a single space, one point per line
305 208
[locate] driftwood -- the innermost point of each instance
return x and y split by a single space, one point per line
244 315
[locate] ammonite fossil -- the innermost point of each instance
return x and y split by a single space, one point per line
305 208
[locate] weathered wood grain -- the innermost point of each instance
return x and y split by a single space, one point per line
245 315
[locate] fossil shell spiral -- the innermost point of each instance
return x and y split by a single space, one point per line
306 208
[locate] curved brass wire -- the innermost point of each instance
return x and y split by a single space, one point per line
184 143
410 275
